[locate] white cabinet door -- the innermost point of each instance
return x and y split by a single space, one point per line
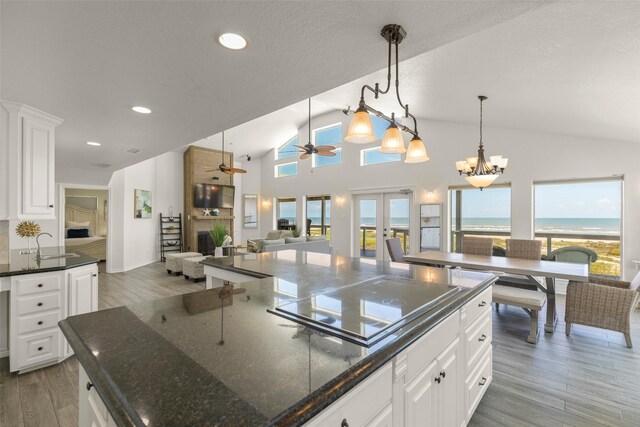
450 389
82 293
83 290
37 168
420 397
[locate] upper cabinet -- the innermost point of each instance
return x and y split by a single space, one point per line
27 161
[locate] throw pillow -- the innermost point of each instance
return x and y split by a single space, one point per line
314 238
273 242
77 233
273 235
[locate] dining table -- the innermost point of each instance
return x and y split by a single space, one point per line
529 269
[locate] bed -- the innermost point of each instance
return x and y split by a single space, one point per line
94 245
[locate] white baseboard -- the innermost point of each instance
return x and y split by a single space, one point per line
4 353
132 267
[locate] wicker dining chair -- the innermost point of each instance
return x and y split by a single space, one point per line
477 245
524 249
602 303
395 250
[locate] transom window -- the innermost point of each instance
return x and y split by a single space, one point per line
288 149
330 135
286 169
373 156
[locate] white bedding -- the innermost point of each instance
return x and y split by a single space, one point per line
82 241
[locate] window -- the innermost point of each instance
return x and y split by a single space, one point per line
319 213
287 150
480 213
581 213
330 135
286 211
286 169
373 156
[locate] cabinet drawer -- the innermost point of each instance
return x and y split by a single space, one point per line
477 384
478 337
423 351
38 348
36 284
39 322
39 303
474 308
363 405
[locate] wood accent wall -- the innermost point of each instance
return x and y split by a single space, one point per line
197 160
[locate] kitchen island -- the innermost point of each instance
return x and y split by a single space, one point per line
219 357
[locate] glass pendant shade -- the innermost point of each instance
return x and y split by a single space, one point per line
481 181
392 142
460 165
416 153
473 161
502 163
361 128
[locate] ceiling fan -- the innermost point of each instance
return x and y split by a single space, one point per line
309 149
224 168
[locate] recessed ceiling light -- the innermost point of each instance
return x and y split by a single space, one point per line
141 110
232 41
95 144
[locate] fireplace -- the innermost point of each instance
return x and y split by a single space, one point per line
205 243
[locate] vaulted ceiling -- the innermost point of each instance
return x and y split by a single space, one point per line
90 62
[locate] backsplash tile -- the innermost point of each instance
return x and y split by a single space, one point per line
4 242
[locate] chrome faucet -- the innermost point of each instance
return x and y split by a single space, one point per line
39 252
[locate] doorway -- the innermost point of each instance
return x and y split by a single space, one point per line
381 216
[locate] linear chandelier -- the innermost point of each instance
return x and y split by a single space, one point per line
361 128
481 173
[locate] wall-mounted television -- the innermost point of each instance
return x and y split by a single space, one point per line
213 196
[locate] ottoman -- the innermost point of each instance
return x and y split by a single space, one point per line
192 269
174 261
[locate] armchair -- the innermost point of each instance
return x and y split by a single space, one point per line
603 303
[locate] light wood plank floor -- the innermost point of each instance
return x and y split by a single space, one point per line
587 379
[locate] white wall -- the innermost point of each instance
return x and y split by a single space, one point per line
135 241
532 156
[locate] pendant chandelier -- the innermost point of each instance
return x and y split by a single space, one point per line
361 128
481 173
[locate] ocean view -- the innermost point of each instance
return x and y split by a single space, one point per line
608 226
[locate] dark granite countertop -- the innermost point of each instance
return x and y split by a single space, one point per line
163 362
27 264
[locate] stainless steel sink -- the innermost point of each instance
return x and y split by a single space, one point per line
69 255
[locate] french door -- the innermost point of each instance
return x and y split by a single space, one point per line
378 217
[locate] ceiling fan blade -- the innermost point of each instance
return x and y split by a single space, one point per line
228 171
289 152
325 148
213 170
301 147
305 156
237 170
325 153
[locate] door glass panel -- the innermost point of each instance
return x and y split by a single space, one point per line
399 221
368 235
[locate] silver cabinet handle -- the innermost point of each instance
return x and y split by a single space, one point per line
482 338
483 381
482 304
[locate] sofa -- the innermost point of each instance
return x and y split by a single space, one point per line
280 240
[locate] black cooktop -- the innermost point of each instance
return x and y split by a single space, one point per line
366 312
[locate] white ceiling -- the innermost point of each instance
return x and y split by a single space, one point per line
567 68
89 62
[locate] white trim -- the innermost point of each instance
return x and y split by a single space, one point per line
277 149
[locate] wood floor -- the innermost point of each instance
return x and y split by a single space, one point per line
587 379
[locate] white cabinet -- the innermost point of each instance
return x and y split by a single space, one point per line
368 404
437 381
93 412
82 293
37 302
27 160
